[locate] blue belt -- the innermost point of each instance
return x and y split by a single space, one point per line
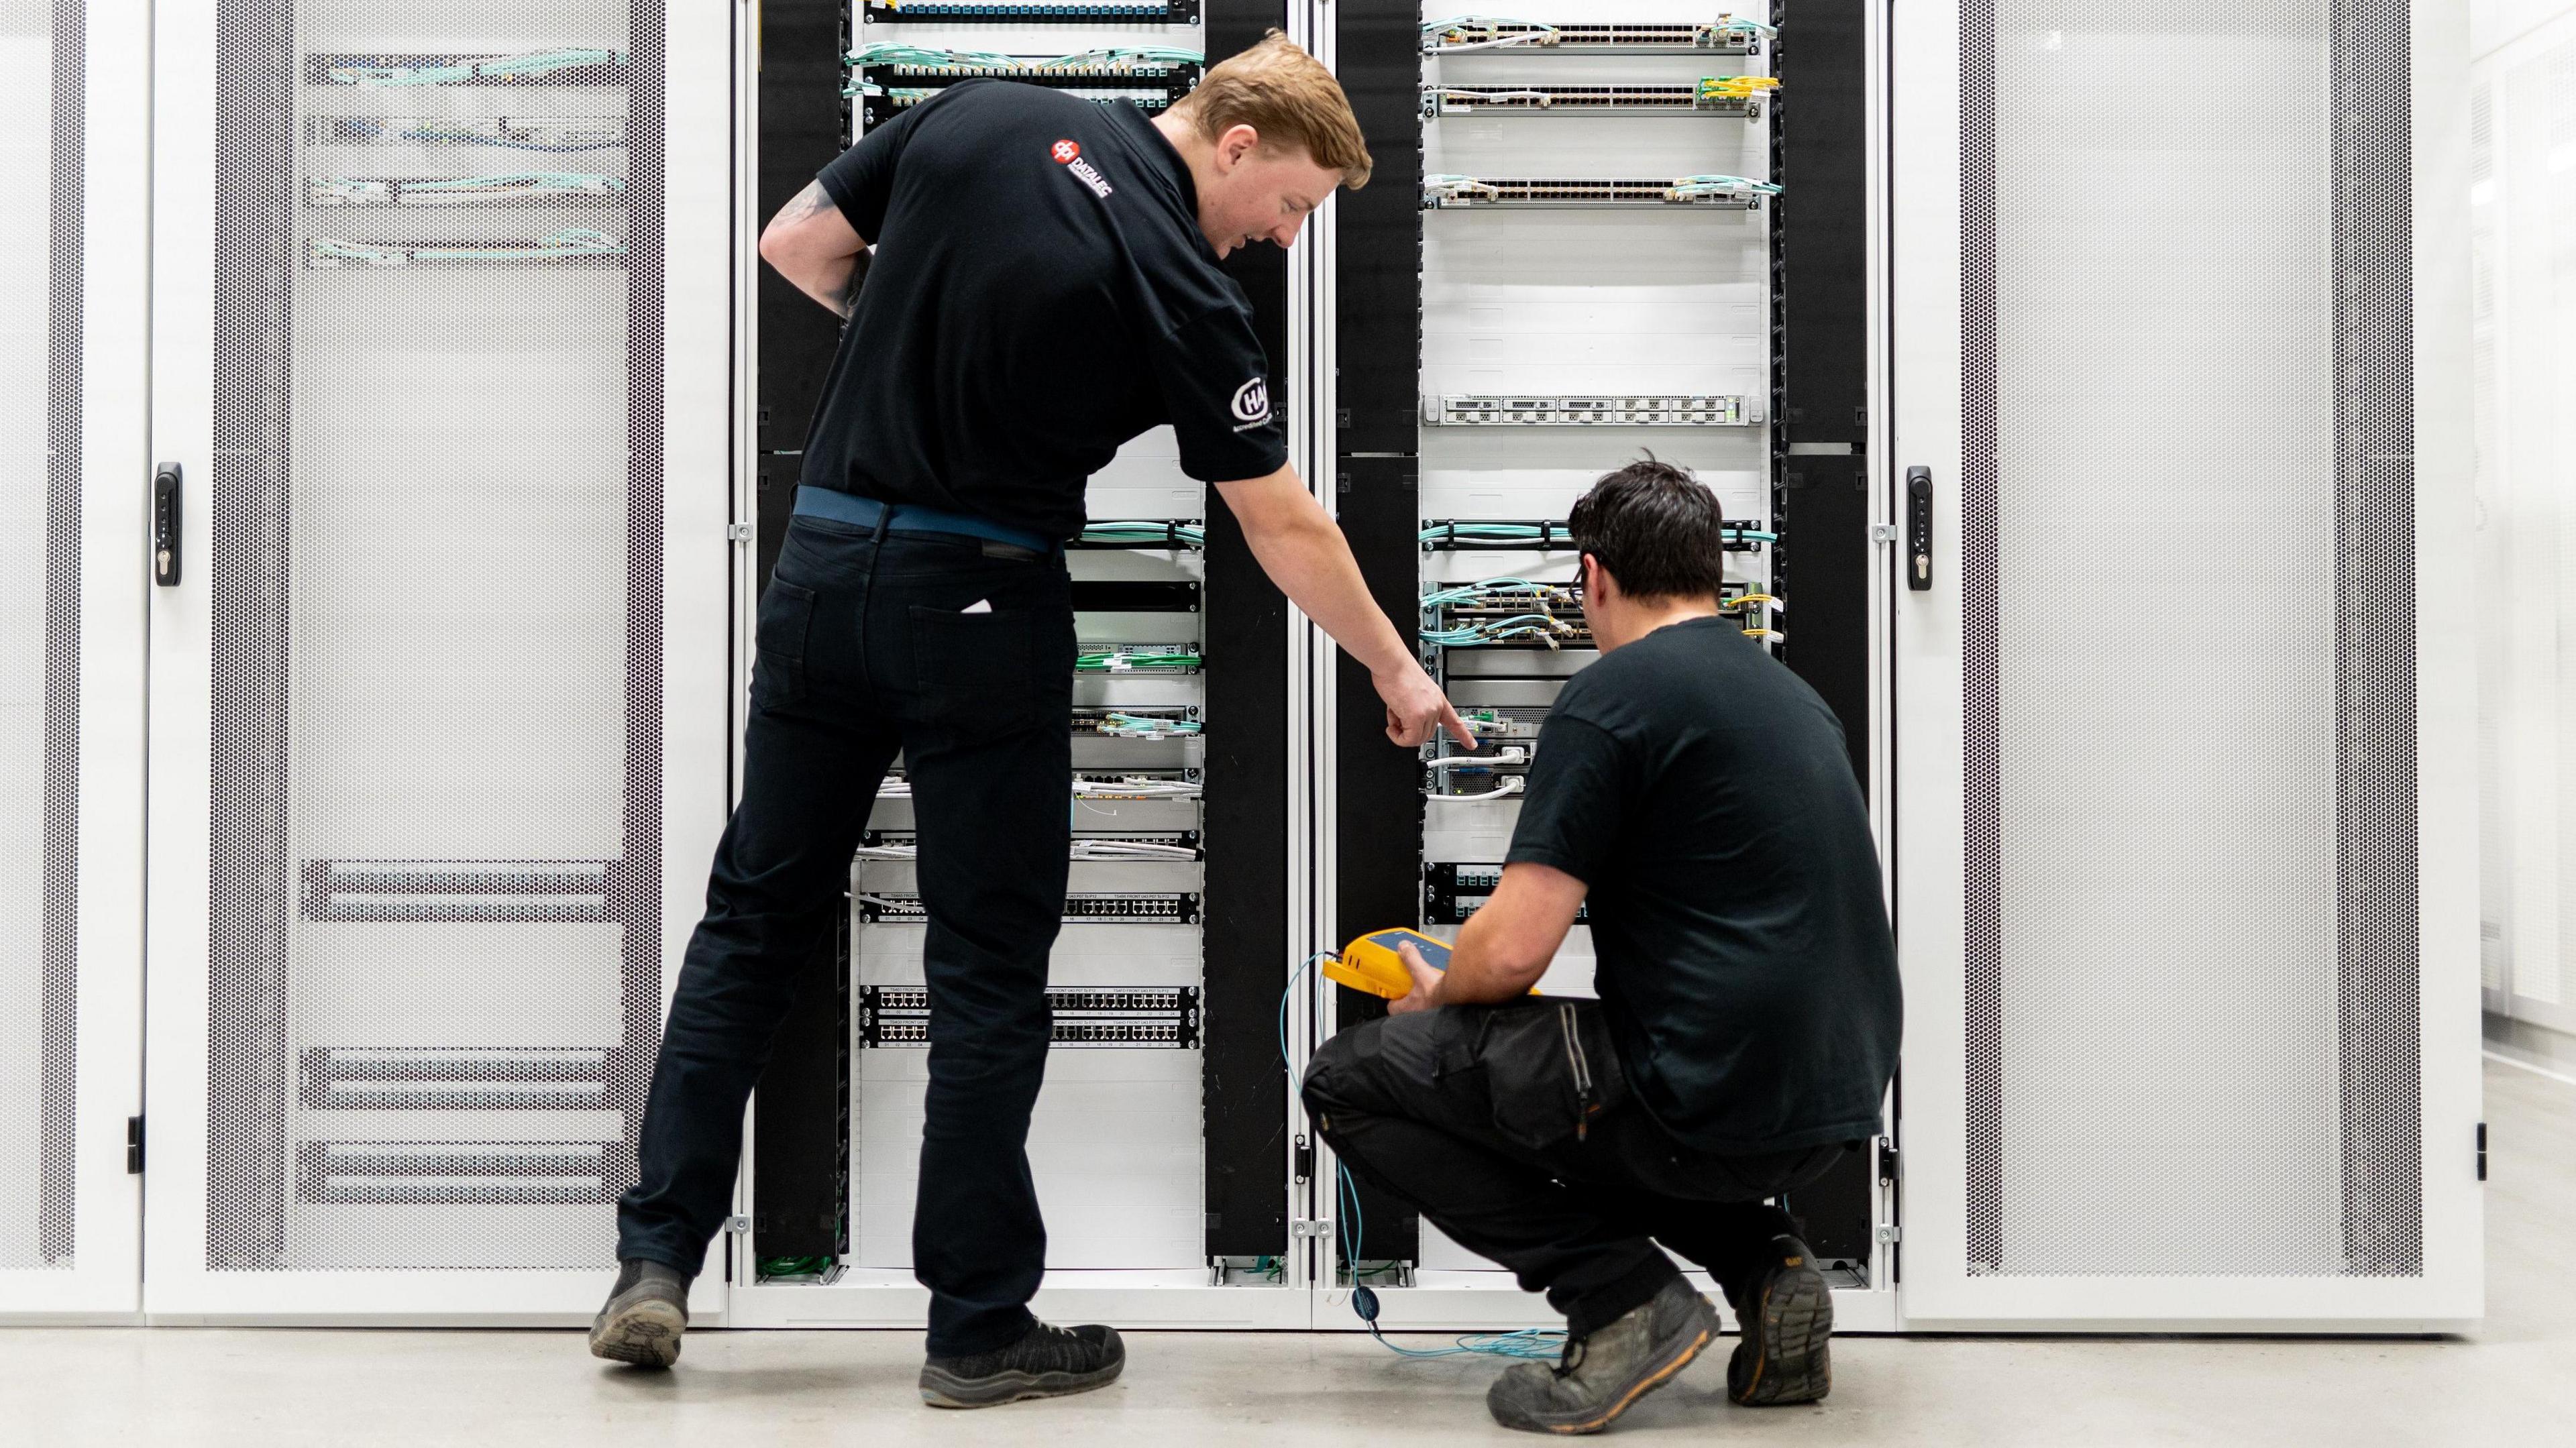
911 518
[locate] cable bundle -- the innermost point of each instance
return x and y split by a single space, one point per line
525 66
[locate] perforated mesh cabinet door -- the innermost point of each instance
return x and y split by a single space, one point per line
71 427
2178 970
430 619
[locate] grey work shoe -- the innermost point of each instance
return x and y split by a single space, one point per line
1048 1362
1604 1373
1785 1355
647 1311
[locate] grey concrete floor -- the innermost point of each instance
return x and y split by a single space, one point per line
2513 1383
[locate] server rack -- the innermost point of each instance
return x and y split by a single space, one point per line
1588 236
72 336
2188 921
1159 1142
439 298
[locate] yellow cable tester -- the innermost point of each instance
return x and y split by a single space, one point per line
1371 964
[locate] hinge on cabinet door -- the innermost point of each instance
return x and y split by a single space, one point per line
738 1224
1305 1156
1891 1233
134 1146
2482 1150
738 532
1307 1228
1882 532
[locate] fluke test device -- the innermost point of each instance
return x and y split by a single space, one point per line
1371 964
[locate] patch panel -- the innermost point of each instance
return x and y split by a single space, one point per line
562 245
573 65
891 1015
1471 34
1137 908
1551 534
1708 96
389 1173
1176 535
1030 12
1140 721
1135 595
549 187
565 134
1453 892
1178 658
1592 193
1595 410
886 79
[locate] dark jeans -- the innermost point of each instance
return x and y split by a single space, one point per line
1480 1118
864 650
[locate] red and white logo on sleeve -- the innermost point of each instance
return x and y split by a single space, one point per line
1066 152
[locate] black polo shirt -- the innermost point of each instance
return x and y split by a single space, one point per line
1040 294
1703 793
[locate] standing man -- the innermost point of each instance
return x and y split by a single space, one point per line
1697 794
1044 288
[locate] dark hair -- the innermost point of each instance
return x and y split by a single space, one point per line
1657 529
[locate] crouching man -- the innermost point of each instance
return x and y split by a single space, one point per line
1698 796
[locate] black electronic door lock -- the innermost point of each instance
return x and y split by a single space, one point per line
165 525
1918 528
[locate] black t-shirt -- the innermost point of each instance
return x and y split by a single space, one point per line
1702 791
1040 294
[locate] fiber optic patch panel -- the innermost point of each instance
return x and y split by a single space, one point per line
1138 721
569 244
574 65
1168 534
497 189
1031 12
562 134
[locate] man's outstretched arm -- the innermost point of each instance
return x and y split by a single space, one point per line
813 245
1304 552
1506 945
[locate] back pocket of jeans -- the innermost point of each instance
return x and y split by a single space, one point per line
982 671
779 632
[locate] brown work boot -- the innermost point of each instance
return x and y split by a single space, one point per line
646 1312
1787 1320
1603 1373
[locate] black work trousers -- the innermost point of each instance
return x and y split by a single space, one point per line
1511 1129
866 647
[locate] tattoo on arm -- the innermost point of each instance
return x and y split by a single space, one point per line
806 202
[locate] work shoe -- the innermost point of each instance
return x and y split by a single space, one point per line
1048 1362
1787 1318
647 1311
1603 1373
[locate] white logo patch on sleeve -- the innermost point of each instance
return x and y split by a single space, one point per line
1252 404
